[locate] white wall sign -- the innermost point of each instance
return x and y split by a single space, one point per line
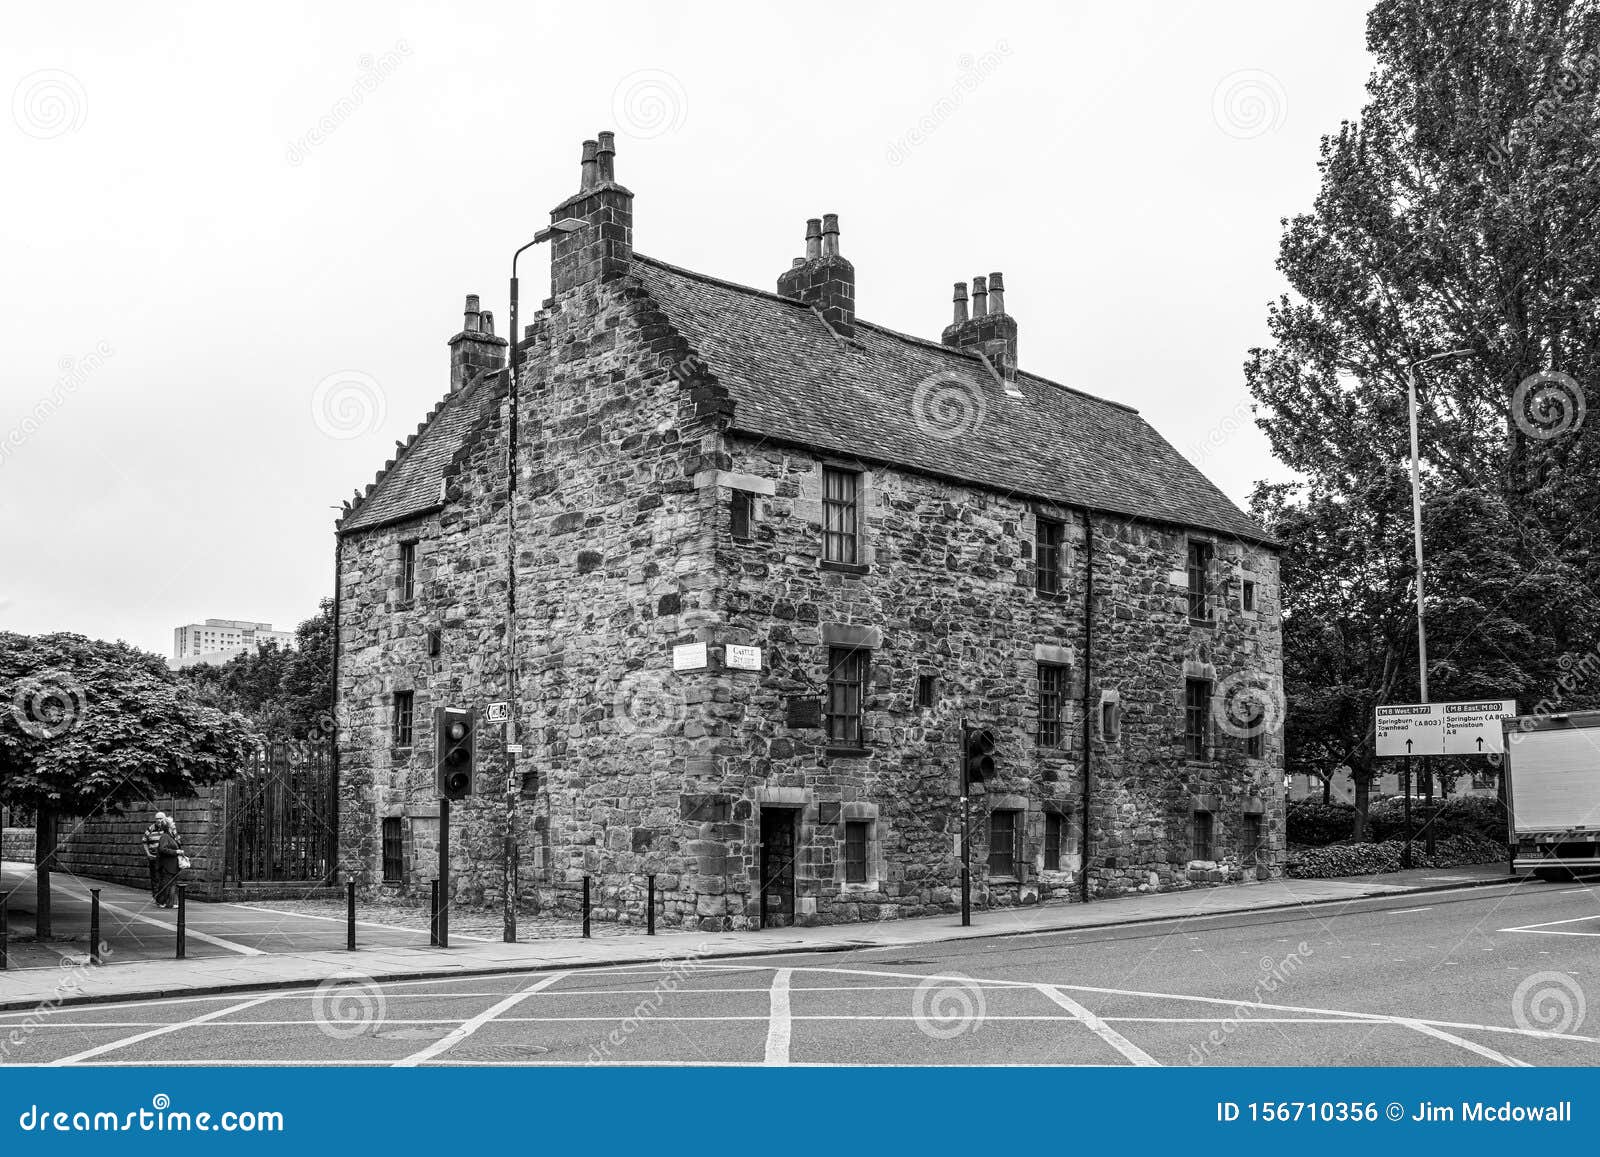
689 657
499 712
742 658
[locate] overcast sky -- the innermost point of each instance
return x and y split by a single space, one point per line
237 238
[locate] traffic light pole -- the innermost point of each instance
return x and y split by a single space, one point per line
444 872
966 842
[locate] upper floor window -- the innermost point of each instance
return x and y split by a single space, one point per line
403 708
1200 554
840 515
1255 725
1196 718
1052 730
1247 597
847 695
741 515
1047 557
408 571
925 691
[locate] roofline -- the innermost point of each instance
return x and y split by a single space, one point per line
928 343
422 512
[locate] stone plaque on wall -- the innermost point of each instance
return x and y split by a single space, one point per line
805 713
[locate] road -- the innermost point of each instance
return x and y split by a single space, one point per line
1486 976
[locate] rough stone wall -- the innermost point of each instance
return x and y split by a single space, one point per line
16 844
108 847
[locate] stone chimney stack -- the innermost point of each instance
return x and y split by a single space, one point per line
990 329
824 279
475 349
603 249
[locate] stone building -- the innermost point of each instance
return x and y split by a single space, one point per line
769 560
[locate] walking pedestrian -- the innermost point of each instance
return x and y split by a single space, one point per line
151 842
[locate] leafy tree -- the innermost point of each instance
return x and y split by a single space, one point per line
286 693
1455 214
88 726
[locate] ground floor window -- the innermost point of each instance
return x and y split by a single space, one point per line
1055 830
856 833
1003 828
1250 838
1204 829
394 860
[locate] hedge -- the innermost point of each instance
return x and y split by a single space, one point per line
1367 859
1315 824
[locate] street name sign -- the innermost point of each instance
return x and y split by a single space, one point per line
742 658
1474 728
1410 729
688 656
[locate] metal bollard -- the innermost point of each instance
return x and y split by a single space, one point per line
350 915
586 907
94 925
4 899
433 916
183 947
650 909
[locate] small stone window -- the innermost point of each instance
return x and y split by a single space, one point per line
1047 556
1055 827
1250 838
845 717
1197 718
1200 555
404 702
1255 726
408 571
1203 833
435 642
925 691
1052 730
1110 718
841 516
1247 597
1005 829
856 836
394 861
741 514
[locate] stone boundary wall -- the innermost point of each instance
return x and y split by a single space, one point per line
107 847
17 844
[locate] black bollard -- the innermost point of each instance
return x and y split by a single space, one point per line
183 947
4 897
650 909
94 925
433 916
350 915
586 907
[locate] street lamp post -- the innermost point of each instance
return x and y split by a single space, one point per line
1416 539
513 783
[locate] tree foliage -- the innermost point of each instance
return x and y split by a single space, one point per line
87 725
286 693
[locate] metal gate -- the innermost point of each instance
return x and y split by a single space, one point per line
282 820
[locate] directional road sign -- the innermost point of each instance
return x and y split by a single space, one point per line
1474 728
1411 729
1443 728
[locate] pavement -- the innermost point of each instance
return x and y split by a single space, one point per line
1494 975
243 946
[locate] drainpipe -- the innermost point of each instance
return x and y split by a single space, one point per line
1088 713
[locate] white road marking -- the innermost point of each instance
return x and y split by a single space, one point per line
462 1031
101 1050
778 1019
1544 929
1408 911
1470 1046
1100 1028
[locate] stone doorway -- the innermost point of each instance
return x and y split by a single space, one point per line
777 866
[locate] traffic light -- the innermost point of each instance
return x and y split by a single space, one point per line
977 754
454 738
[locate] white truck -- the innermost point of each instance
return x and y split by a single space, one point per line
1552 770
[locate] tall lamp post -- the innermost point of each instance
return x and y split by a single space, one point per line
1416 539
513 783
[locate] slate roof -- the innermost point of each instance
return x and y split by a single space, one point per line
412 482
794 380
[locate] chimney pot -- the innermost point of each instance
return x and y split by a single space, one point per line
797 263
980 297
830 234
606 156
470 316
997 294
961 303
475 348
813 238
590 165
487 320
